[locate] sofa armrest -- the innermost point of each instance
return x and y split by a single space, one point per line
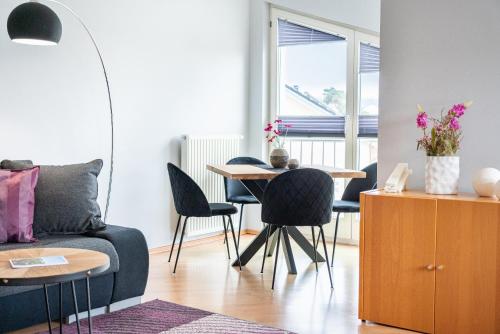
133 254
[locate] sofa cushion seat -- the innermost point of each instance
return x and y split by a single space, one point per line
66 241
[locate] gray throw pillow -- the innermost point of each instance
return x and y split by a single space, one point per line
66 198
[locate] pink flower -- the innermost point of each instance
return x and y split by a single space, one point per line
278 121
422 120
288 126
458 110
269 127
270 140
278 132
454 123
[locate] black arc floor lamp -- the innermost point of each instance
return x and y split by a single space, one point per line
34 23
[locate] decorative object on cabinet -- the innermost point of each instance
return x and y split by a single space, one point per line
441 144
442 175
485 180
396 182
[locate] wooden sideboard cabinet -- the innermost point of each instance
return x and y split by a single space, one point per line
430 263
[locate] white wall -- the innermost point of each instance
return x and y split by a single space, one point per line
176 67
437 53
362 15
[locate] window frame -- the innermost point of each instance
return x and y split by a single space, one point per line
353 38
359 37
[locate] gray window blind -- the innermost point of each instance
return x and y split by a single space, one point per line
369 60
368 126
314 126
294 34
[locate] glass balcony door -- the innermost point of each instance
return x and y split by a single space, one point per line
318 87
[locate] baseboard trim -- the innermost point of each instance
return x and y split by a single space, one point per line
84 315
105 309
124 304
196 242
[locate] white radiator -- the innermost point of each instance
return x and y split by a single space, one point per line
197 152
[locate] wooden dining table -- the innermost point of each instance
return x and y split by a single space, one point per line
255 178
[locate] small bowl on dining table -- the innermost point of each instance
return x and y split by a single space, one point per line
293 164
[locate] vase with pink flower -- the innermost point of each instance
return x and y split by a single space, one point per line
441 141
276 134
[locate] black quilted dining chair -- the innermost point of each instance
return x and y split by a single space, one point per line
236 193
349 203
301 197
190 201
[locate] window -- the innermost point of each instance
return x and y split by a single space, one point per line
324 82
311 87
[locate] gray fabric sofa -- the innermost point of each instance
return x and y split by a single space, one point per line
126 277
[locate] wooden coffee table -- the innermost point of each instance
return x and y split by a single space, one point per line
82 264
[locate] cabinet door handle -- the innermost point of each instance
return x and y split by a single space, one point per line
430 267
440 267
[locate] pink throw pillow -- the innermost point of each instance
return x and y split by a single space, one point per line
17 204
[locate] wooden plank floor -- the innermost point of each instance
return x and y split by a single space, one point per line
303 303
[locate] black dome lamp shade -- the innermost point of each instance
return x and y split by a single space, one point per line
34 23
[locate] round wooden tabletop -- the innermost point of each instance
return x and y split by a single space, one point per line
81 263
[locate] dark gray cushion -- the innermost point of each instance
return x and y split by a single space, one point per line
66 198
16 164
345 206
72 241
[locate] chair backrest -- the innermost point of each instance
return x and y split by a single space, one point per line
300 197
235 187
189 199
356 186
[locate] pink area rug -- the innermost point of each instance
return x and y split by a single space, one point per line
160 317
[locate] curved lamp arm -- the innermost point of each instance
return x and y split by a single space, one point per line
87 30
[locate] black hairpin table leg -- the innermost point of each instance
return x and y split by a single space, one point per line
75 303
47 307
88 305
61 308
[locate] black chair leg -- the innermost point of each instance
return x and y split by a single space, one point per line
225 237
239 228
314 245
326 254
335 236
265 250
276 259
234 239
180 243
175 237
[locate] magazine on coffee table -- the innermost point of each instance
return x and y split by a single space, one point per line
38 262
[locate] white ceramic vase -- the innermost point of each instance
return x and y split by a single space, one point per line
442 175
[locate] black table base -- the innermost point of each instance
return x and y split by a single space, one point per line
75 305
256 187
